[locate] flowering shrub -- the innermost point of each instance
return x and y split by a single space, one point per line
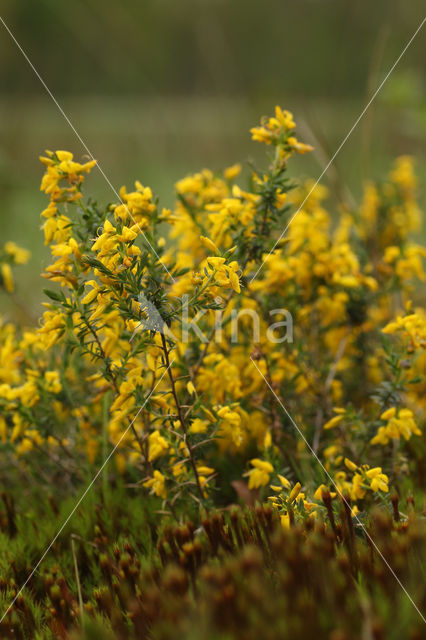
138 347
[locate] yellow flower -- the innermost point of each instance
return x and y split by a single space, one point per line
285 118
284 484
64 156
387 415
157 445
20 256
230 428
300 147
378 480
53 383
224 275
204 470
350 465
91 295
412 326
381 437
209 244
333 422
198 426
7 278
61 166
295 492
190 387
203 476
397 425
273 128
233 276
260 474
157 484
391 254
232 172
357 491
403 173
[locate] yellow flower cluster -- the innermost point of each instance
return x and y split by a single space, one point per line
136 207
60 166
397 425
277 130
412 327
165 339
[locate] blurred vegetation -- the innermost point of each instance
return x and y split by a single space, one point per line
214 47
158 89
112 575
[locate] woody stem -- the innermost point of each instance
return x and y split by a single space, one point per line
181 416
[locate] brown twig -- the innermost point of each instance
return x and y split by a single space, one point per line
181 416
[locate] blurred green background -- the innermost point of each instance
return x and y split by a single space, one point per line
160 88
